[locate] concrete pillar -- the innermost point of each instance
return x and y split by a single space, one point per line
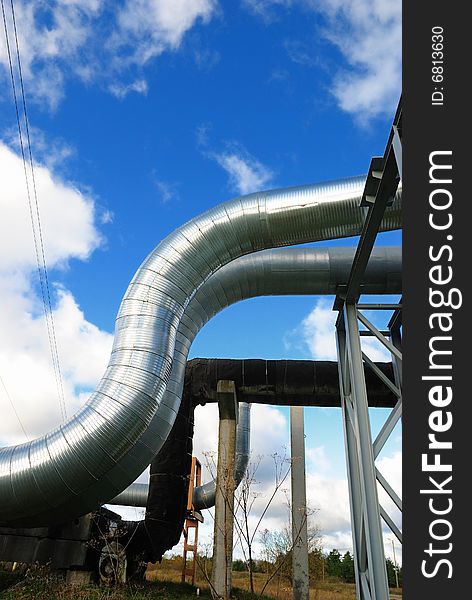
301 579
224 502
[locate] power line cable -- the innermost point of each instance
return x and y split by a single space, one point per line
43 254
13 407
42 268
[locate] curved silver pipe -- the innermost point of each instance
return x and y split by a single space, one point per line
204 496
113 437
289 271
136 494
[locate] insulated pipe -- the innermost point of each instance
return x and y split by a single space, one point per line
274 272
113 437
204 496
288 271
136 494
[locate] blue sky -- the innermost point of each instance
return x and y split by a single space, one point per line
144 114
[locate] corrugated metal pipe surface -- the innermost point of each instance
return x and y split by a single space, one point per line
287 271
136 494
114 436
204 496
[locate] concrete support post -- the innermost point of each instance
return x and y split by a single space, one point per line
299 511
224 504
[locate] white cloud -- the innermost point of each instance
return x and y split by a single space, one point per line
153 26
269 434
95 41
318 331
69 231
51 152
266 8
121 90
317 335
67 217
246 173
106 217
26 366
318 458
329 496
368 34
50 46
168 192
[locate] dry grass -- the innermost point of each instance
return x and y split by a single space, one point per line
39 587
279 588
163 583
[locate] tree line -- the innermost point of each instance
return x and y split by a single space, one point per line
333 565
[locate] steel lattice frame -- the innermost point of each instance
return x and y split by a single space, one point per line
361 450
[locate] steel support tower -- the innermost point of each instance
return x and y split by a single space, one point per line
361 450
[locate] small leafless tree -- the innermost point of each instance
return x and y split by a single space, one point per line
245 500
277 545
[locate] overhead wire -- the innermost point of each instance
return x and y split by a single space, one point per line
39 248
35 193
12 404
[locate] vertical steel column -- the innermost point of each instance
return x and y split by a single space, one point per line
375 584
353 473
369 559
224 501
301 581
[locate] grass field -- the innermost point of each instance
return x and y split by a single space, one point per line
163 583
279 588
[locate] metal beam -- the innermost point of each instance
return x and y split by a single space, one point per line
388 488
391 523
386 191
365 333
373 532
369 558
382 339
376 306
352 462
391 386
396 339
387 428
380 188
396 318
397 148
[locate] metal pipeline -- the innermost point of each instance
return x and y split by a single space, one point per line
291 271
114 436
136 494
